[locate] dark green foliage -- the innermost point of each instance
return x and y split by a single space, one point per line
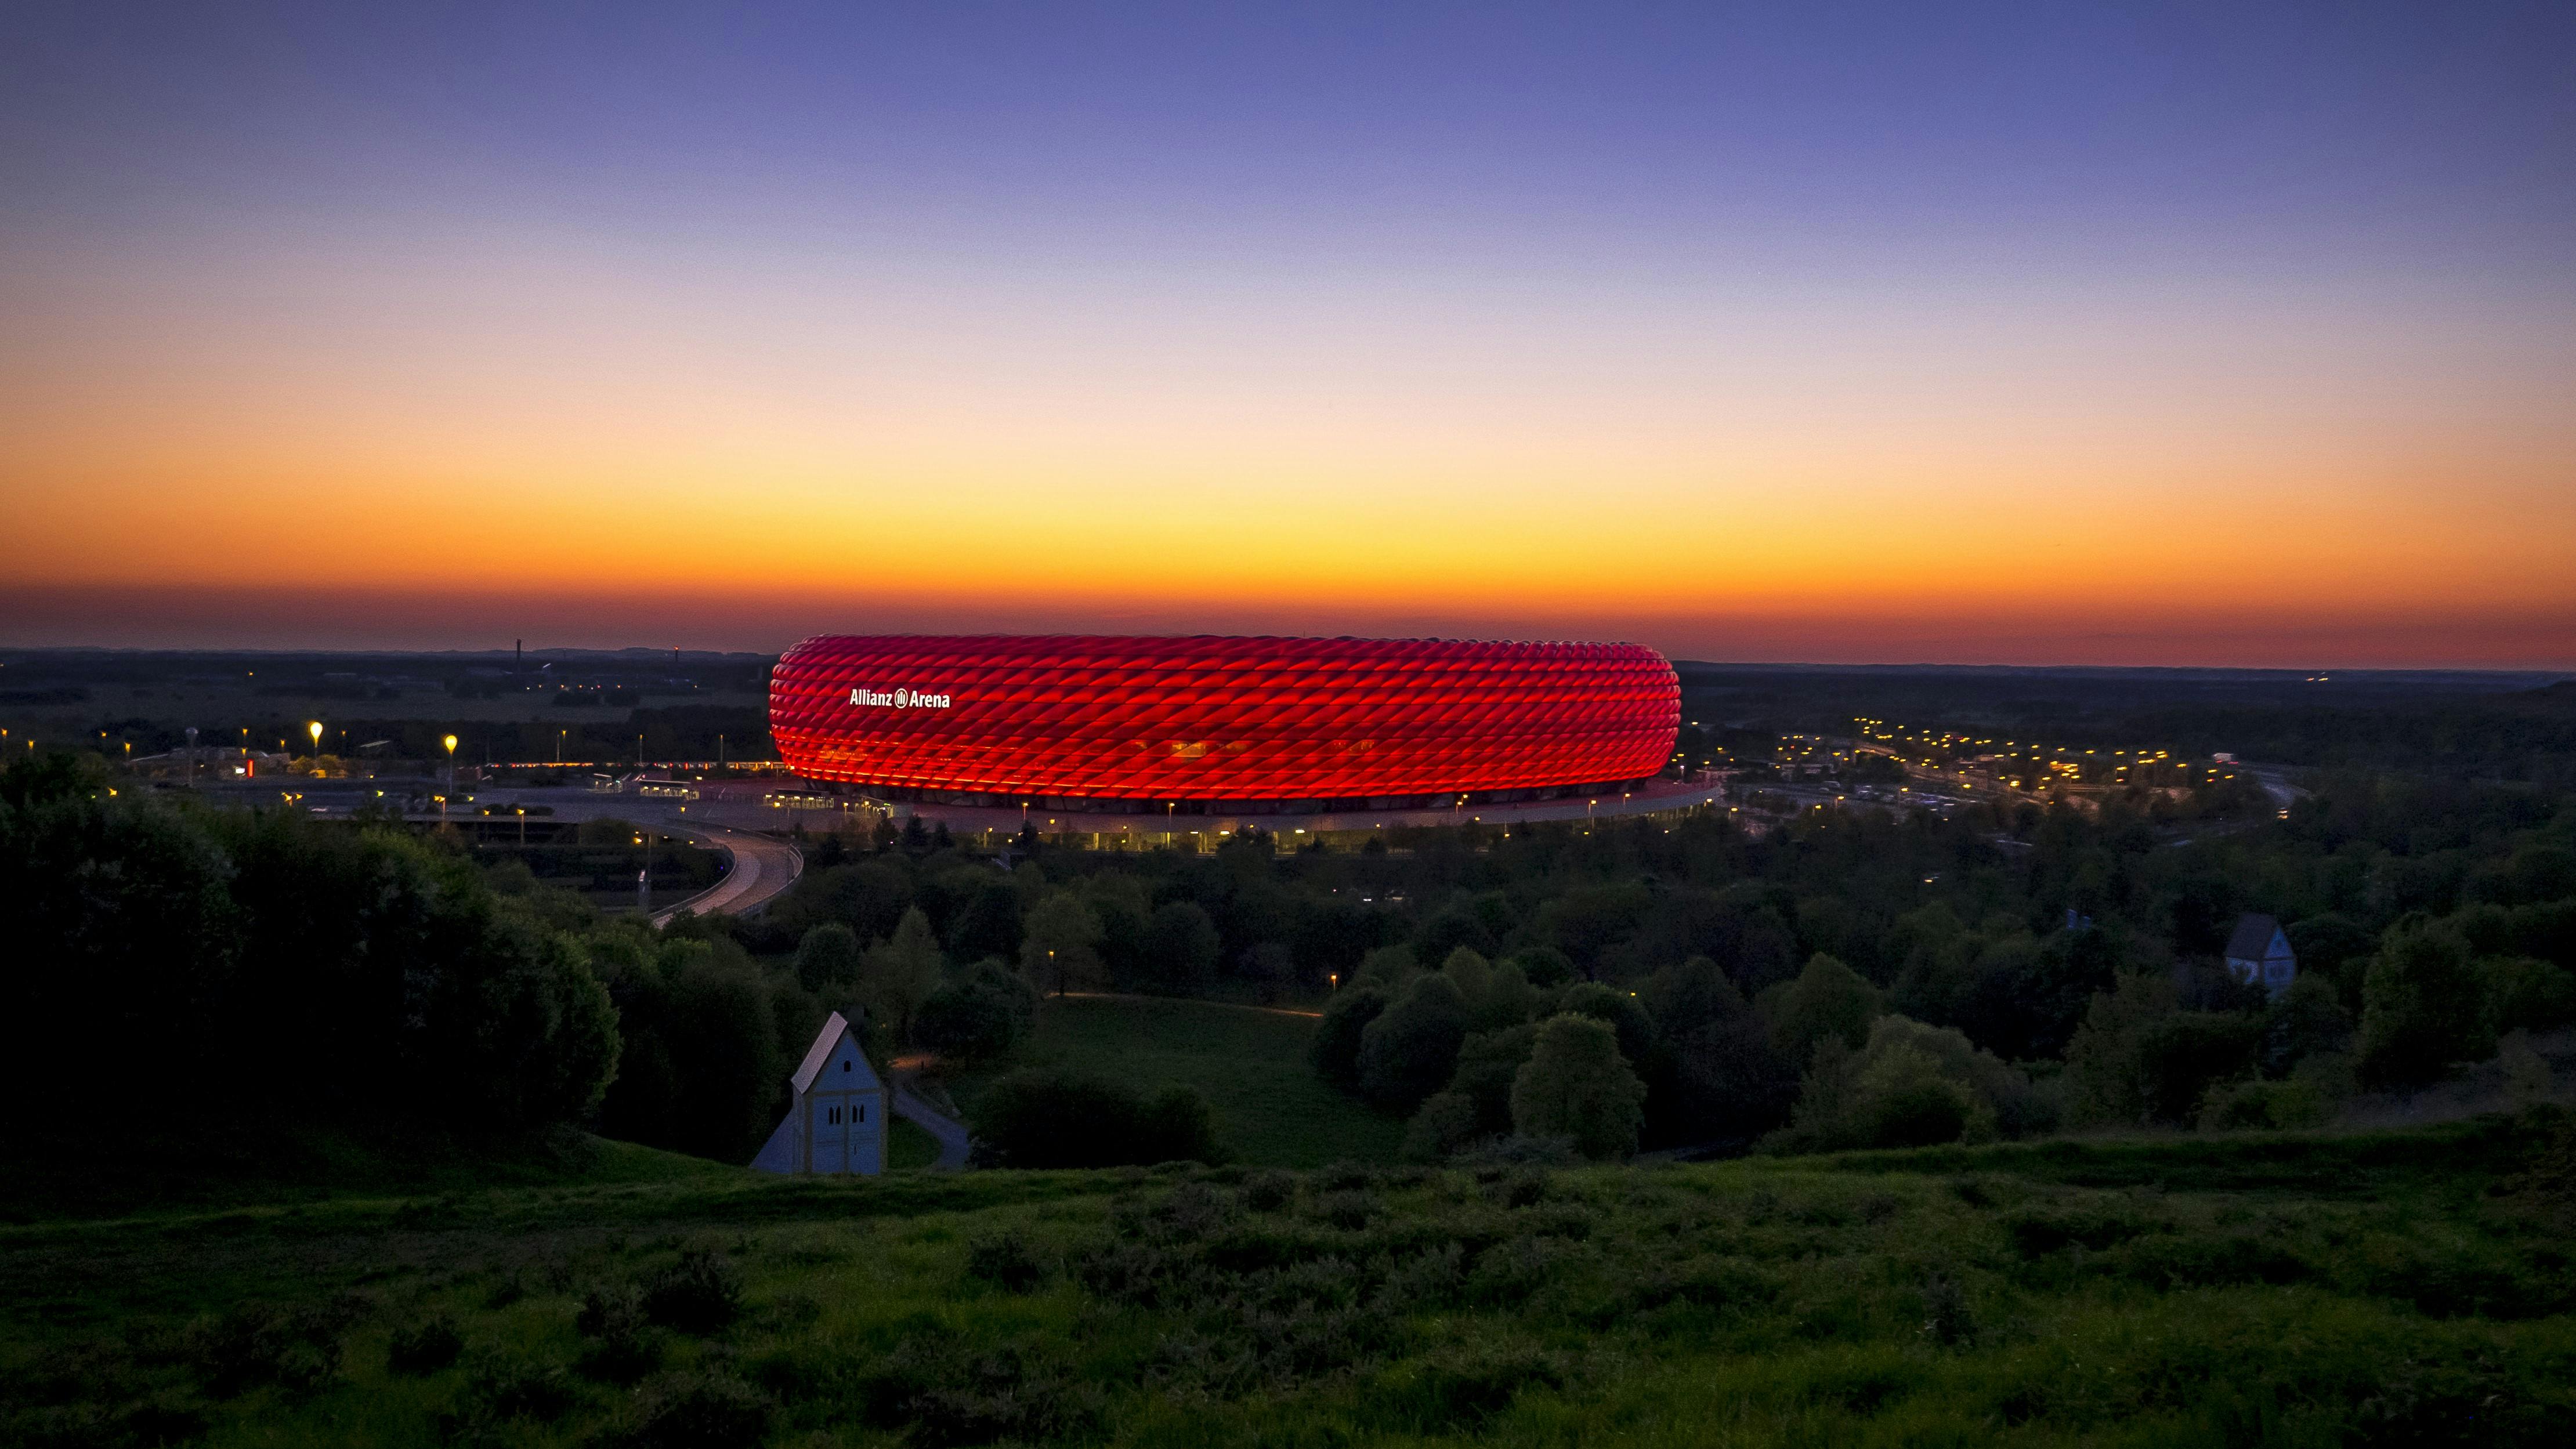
501 1387
250 1347
620 1346
2307 1020
1487 1062
2525 993
424 1347
1181 949
1578 1086
255 956
1336 1048
1411 1048
697 1411
1045 1118
1270 1191
2424 1007
979 1016
1828 1000
827 959
700 1293
1006 1261
702 1061
1545 966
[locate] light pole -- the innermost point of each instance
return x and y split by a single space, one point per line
315 729
450 742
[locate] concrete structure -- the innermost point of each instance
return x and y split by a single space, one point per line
2259 954
836 1123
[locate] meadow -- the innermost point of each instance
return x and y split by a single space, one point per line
2408 1287
1248 1061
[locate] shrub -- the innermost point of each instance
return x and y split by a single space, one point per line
1335 1051
2423 1007
827 959
698 1411
2297 1102
1412 1047
424 1347
1577 1085
1446 1123
502 1386
1351 1210
981 1015
1828 999
1946 1318
700 1293
1055 1118
1268 1192
1006 1261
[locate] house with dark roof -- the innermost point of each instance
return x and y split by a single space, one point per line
2259 954
836 1122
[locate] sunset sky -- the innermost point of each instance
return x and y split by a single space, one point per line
2187 334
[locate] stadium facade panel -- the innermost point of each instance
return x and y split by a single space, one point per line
1220 719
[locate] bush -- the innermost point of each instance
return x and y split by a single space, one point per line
983 1014
827 959
1055 1118
1268 1192
698 1411
1335 1051
1577 1085
1827 1000
1447 1122
2284 1105
1412 1047
424 1347
700 1293
1006 1261
2423 1007
1912 1085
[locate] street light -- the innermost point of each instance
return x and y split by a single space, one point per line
450 742
315 729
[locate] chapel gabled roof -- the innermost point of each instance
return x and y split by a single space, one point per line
2253 938
821 1051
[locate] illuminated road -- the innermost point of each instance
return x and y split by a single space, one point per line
761 868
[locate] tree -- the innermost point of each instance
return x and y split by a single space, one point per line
1181 948
828 958
982 1013
901 971
2138 1058
1060 945
1828 999
1487 1063
1335 1050
2423 1007
1052 1118
1412 1047
1447 1122
1576 1085
1910 1085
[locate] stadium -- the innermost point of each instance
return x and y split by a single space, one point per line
1153 723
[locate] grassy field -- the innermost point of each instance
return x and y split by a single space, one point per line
2395 1288
1249 1063
909 1146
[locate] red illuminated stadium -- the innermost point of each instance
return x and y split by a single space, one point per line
1292 722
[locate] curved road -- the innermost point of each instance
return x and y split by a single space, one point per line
761 868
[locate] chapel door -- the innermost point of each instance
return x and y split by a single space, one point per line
831 1134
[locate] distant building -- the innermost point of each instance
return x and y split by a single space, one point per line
836 1124
2259 954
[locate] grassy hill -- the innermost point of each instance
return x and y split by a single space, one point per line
2406 1287
1250 1063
